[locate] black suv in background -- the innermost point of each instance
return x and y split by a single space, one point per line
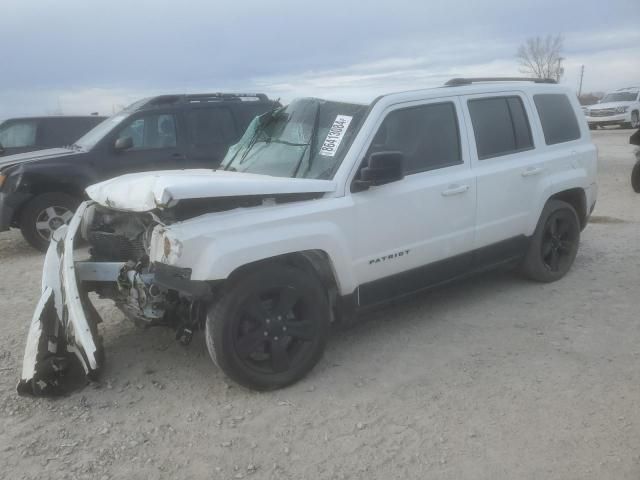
20 135
39 191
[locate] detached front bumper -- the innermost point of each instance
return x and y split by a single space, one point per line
64 323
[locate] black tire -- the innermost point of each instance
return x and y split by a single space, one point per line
35 211
635 121
635 177
554 244
274 308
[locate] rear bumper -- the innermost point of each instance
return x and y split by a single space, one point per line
64 323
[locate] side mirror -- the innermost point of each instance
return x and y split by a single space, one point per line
123 143
382 168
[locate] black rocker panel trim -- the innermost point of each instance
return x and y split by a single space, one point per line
440 272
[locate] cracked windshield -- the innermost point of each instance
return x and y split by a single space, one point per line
306 139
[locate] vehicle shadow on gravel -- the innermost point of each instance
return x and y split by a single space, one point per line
142 359
12 245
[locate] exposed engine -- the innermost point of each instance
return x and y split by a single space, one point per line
115 236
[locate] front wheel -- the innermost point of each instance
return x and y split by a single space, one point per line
635 177
635 121
554 244
270 327
43 215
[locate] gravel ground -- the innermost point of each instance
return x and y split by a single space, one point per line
494 377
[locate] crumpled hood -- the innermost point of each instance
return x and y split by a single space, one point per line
142 192
37 155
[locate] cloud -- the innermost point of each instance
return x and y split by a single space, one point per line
79 56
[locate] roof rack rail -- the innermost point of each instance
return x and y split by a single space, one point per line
225 96
206 97
456 82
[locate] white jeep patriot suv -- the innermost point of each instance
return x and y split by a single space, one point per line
322 209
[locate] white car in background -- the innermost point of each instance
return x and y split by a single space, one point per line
621 107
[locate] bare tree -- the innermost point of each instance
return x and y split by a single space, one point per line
542 57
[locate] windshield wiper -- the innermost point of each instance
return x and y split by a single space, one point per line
311 144
259 129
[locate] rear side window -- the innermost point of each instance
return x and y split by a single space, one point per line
557 117
500 126
427 136
211 126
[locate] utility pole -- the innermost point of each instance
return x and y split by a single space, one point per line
581 75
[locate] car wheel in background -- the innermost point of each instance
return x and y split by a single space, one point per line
554 244
43 215
635 177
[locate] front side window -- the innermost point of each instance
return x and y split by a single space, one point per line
18 134
500 126
306 139
427 135
557 117
151 131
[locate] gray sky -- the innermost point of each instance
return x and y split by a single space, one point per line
80 56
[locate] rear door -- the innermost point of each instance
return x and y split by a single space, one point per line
511 173
210 132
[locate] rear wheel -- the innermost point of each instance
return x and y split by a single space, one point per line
270 327
635 121
43 215
554 245
635 177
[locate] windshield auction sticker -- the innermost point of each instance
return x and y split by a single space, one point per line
335 135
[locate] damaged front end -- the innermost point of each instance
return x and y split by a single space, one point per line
64 327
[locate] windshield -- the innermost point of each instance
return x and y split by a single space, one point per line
619 97
93 136
306 139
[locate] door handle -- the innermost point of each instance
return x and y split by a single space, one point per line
455 190
178 156
532 171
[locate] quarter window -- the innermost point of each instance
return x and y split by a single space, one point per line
500 126
557 117
151 131
427 135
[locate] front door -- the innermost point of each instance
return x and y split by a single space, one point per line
156 145
418 231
